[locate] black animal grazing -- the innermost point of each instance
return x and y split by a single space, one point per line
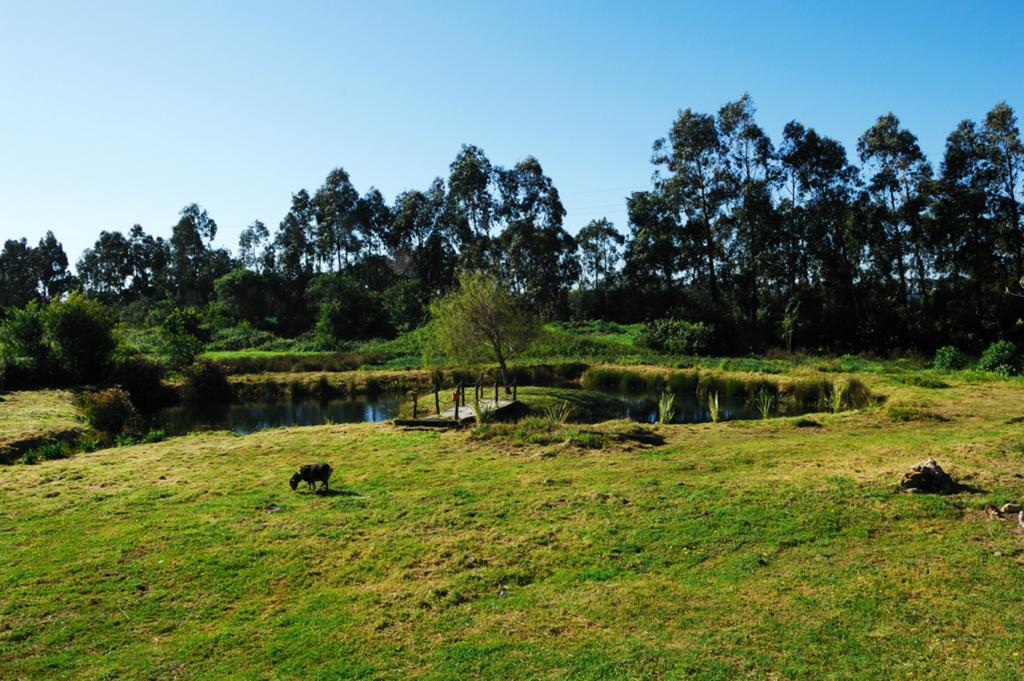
311 474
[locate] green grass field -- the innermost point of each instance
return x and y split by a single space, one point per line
738 550
29 418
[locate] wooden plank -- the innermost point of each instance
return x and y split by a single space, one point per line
446 419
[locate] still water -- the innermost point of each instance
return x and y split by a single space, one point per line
249 418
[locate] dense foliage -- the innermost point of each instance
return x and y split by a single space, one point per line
767 243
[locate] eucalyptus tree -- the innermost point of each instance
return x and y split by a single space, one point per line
472 183
18 280
193 264
420 239
899 189
695 176
537 256
148 259
372 219
1004 156
251 244
295 249
824 243
105 269
51 267
335 205
654 252
600 247
750 156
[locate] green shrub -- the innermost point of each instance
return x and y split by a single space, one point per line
184 336
81 332
108 411
1000 357
54 450
205 381
154 435
242 336
676 336
88 443
27 355
29 458
948 358
142 378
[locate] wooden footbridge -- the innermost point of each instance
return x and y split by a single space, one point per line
460 413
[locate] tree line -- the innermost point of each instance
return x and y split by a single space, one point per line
766 242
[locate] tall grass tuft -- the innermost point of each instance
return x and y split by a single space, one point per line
713 407
765 402
482 413
558 414
666 407
836 395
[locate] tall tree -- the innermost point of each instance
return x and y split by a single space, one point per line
538 257
193 266
697 179
1005 175
335 205
899 185
18 279
251 243
105 269
51 264
751 158
599 243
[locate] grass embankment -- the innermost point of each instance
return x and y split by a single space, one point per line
745 549
31 418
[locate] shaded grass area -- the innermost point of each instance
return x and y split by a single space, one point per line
32 418
745 549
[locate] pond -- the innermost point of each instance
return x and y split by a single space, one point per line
250 417
644 408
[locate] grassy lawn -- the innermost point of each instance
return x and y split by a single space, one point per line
34 416
745 549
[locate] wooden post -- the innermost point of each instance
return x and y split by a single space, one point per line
515 386
437 399
458 388
415 403
495 393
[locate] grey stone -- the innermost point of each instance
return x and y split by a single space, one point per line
928 477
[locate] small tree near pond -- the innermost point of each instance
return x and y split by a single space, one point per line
482 318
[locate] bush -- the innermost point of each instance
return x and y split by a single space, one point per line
142 378
26 354
108 411
205 381
184 336
54 450
676 336
81 332
947 358
1000 357
242 336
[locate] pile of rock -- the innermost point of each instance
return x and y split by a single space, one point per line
928 477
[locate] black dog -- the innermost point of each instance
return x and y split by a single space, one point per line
311 474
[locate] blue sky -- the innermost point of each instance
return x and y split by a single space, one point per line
118 114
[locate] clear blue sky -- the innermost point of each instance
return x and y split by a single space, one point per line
123 113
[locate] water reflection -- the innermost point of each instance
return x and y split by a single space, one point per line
249 418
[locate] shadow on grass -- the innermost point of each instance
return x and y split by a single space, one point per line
334 493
